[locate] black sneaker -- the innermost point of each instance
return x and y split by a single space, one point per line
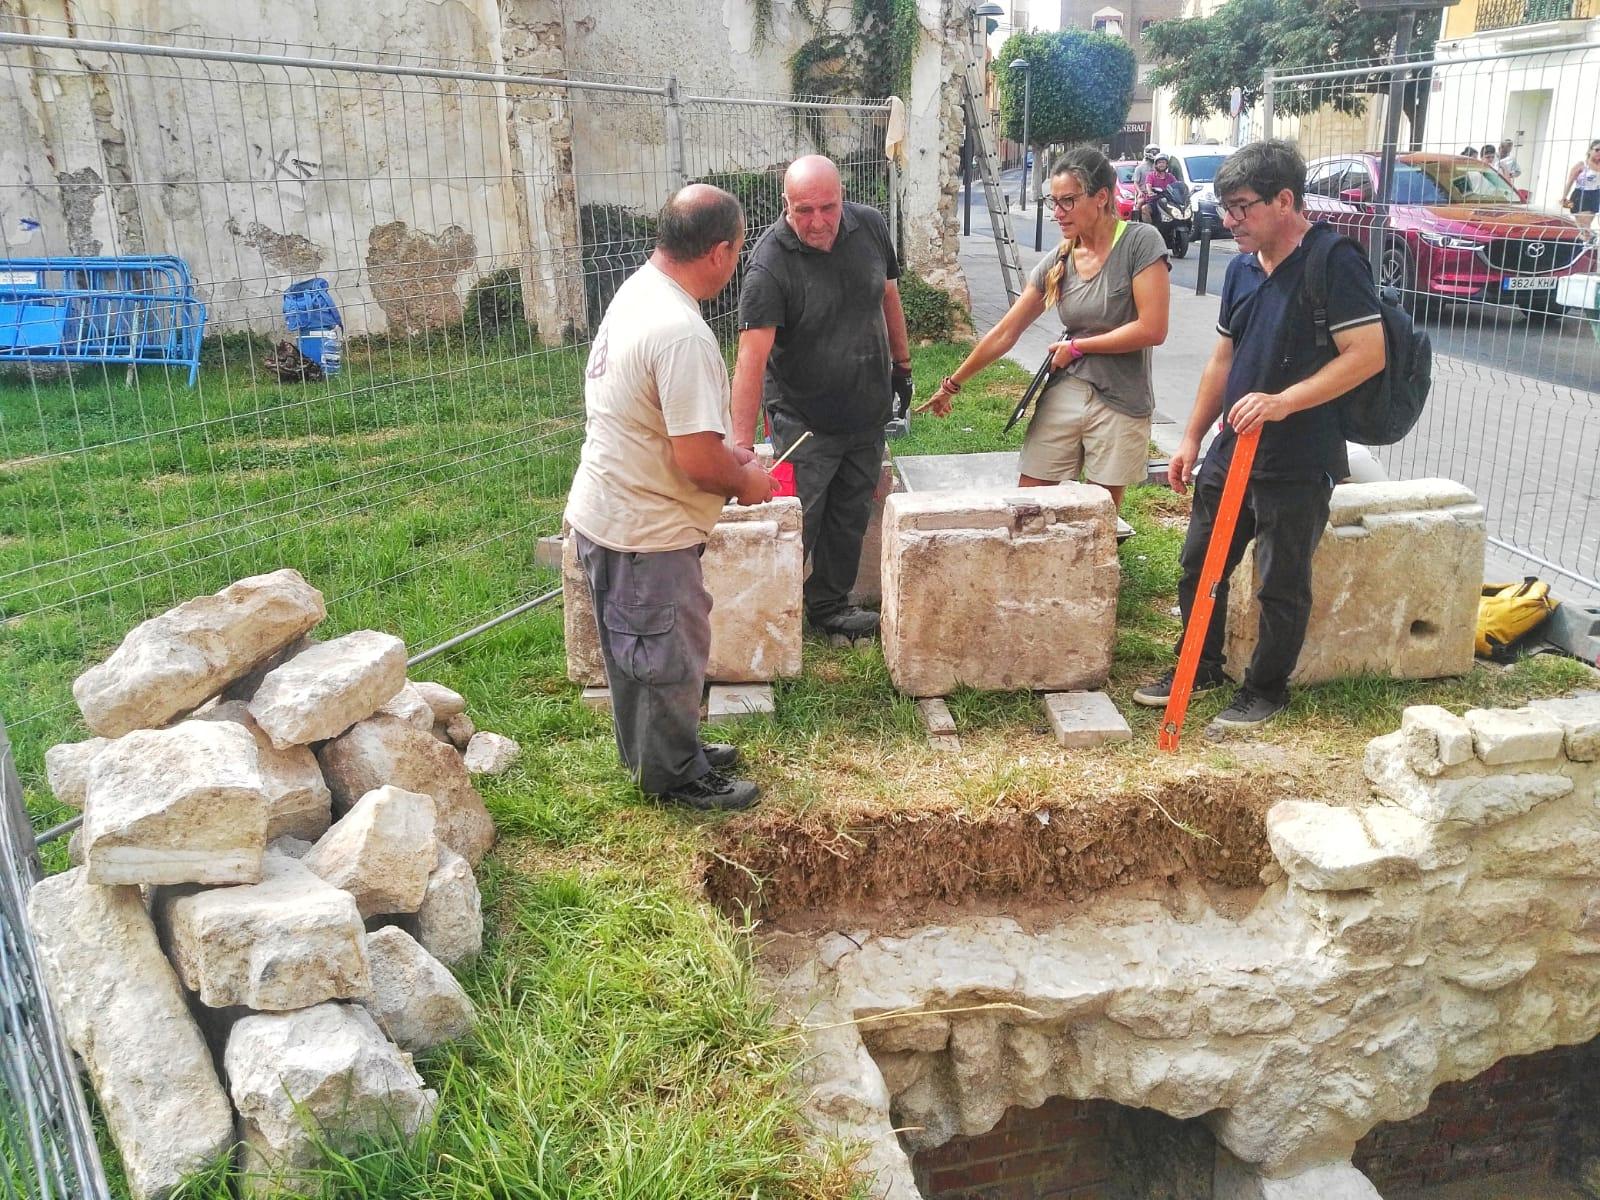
714 792
1157 693
1247 710
720 755
851 622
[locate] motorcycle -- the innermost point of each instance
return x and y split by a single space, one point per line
1173 217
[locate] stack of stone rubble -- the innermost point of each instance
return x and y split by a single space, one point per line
275 868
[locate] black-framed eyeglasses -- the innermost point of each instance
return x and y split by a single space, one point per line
1240 209
1064 203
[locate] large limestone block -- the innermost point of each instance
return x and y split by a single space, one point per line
1579 718
288 942
383 750
753 567
125 1016
322 691
180 805
171 663
381 852
328 1066
298 801
1327 848
1394 583
1000 589
415 999
66 768
1469 794
449 923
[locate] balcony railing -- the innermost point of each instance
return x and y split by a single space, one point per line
1506 14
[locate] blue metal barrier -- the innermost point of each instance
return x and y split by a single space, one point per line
134 309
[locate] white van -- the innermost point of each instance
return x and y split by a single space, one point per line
1198 165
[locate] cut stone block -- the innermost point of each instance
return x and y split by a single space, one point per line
1327 848
490 754
180 805
1000 589
330 1064
547 551
298 802
1435 739
381 852
382 750
729 702
598 698
1083 719
172 663
445 702
1501 736
415 999
1579 718
409 705
124 1014
321 692
449 923
66 769
1395 584
288 942
752 566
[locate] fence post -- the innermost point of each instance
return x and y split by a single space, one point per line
1266 104
674 121
1203 267
1391 137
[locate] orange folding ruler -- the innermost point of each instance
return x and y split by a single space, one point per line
1205 596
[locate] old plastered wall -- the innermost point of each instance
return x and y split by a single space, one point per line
1452 921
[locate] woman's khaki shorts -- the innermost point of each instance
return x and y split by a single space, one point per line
1075 432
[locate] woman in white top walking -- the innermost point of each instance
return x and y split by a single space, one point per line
1583 187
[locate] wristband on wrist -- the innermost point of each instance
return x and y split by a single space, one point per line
1074 351
950 385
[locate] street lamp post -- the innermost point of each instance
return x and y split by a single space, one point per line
1022 64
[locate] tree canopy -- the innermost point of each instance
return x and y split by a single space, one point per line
1200 60
1082 86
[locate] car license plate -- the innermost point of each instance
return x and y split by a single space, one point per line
1528 283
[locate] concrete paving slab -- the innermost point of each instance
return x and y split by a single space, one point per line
1084 719
731 701
598 698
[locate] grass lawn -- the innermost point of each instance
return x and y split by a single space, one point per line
624 1049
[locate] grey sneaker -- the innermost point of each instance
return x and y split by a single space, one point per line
1248 710
720 755
1156 693
714 792
852 622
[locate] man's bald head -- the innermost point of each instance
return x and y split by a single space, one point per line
813 200
697 219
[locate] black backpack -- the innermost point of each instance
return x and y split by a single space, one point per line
1382 410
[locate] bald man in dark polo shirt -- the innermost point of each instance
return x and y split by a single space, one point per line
822 346
1267 373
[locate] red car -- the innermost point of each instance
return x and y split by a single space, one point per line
1126 195
1458 230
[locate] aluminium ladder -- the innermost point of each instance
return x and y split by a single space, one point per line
972 100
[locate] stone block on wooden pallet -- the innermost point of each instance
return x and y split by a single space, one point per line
752 564
1000 589
1395 585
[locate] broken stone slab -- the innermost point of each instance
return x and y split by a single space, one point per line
1501 736
1435 739
445 702
1081 720
1472 794
66 769
245 686
298 802
940 724
1327 848
172 663
124 1014
729 702
321 692
1394 585
449 922
288 942
490 754
1579 718
328 1066
1026 595
382 750
414 999
381 851
753 567
185 804
458 731
409 706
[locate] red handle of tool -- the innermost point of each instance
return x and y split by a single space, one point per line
1205 596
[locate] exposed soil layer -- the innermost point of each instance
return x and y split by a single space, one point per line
806 870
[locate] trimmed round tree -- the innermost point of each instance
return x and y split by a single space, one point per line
1082 87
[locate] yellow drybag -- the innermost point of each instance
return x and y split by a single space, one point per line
1508 612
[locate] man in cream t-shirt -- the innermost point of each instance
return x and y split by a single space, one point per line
655 472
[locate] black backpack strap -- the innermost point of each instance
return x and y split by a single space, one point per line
1319 245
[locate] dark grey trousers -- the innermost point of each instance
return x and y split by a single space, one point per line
653 615
835 476
1286 519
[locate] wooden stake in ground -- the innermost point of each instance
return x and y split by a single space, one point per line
1205 596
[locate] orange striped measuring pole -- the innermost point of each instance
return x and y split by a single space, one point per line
1205 596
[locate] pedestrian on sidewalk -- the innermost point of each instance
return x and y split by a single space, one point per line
1582 189
1108 282
823 348
1267 373
654 473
